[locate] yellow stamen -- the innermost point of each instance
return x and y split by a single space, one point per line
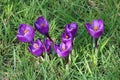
35 45
95 28
42 25
66 37
25 31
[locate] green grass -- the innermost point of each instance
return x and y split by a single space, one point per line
16 63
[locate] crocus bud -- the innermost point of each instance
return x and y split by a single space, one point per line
36 48
42 25
96 29
72 28
25 33
64 49
48 45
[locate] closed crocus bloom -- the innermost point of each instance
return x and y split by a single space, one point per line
36 48
42 25
72 28
67 37
63 50
25 33
48 45
96 29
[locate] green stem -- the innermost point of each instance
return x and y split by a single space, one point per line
95 46
67 59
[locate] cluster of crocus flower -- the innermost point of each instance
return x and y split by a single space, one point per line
26 34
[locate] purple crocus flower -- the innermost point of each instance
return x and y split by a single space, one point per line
64 49
42 25
25 33
72 28
36 48
48 45
96 29
66 37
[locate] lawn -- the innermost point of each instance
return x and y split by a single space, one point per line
17 63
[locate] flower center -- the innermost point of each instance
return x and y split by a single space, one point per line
63 48
66 37
95 28
35 45
25 31
42 24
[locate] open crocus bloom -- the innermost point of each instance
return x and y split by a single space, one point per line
36 48
64 49
25 33
67 37
72 28
42 25
96 29
48 45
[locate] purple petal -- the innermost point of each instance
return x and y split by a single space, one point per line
95 23
90 30
22 38
35 52
39 42
57 48
88 25
41 19
21 29
48 44
97 34
101 25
